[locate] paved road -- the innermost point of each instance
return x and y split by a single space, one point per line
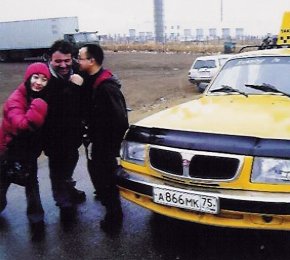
144 235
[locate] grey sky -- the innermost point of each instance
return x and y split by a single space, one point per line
118 16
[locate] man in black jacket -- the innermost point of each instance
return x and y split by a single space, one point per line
63 132
107 123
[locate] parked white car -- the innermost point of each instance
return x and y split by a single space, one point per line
204 68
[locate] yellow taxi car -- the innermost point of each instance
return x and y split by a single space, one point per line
223 159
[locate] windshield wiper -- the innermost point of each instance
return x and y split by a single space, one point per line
228 89
267 88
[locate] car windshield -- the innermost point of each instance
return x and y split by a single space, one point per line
85 37
200 64
92 37
251 75
80 37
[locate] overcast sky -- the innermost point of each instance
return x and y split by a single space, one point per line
118 16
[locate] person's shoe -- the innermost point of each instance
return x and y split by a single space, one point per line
113 221
37 231
3 203
78 196
68 218
67 214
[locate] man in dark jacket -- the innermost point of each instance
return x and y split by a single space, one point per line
107 122
63 133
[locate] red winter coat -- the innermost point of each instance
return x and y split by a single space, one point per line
20 115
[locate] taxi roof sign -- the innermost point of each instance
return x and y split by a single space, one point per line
284 34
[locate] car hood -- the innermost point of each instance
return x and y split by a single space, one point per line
264 116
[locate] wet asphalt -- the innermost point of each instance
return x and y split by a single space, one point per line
144 235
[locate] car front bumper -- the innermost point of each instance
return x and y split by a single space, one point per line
237 208
199 80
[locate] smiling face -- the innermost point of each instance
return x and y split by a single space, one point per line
61 63
38 82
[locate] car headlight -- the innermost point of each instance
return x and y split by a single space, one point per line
133 152
269 170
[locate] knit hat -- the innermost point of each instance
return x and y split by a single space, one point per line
36 68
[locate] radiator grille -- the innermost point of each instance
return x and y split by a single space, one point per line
167 161
194 164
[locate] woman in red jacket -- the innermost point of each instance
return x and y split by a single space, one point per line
24 113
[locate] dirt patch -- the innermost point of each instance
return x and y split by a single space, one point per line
150 81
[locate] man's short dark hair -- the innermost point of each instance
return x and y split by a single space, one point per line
61 46
95 51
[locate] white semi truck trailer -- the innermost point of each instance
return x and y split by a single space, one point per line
33 38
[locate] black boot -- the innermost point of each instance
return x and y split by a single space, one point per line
35 212
78 196
68 214
37 230
113 220
68 218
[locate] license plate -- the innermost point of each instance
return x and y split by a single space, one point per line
186 200
204 74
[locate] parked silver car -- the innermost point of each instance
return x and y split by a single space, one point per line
204 68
